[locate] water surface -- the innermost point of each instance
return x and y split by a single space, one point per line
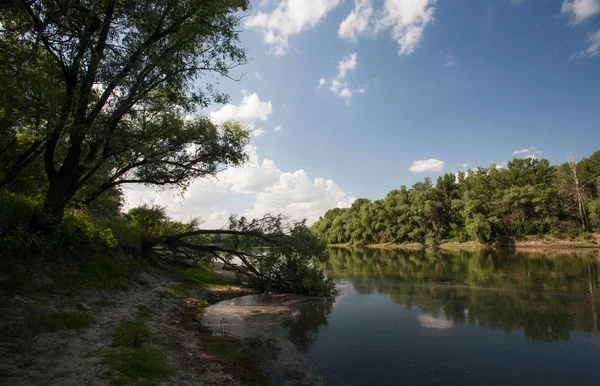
441 317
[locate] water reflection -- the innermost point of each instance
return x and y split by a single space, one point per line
310 317
547 294
454 317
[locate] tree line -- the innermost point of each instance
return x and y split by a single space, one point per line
528 197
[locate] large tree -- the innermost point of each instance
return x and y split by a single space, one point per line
124 79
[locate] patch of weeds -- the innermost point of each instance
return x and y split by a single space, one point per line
102 303
61 320
68 275
173 293
138 367
33 324
236 357
143 311
193 307
132 333
200 277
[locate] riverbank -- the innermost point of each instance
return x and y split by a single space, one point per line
527 243
148 331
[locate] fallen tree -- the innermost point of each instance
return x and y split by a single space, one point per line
273 253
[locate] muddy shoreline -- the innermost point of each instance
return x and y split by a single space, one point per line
266 318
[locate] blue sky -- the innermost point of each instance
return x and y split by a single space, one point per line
447 82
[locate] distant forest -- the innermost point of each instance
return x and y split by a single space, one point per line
528 197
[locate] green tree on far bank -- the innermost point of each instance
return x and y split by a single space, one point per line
528 197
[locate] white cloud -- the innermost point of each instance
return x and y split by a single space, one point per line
348 63
450 62
250 109
465 165
531 156
278 128
253 177
289 18
532 150
338 84
300 196
580 10
258 132
254 189
406 20
428 165
357 22
592 46
321 83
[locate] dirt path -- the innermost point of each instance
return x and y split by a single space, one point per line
77 357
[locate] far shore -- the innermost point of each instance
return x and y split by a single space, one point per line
520 244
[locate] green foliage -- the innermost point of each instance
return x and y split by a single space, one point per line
527 198
139 367
104 98
132 333
280 255
200 276
134 362
35 322
55 321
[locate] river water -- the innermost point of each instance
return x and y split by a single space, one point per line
421 317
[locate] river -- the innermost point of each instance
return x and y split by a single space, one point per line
426 317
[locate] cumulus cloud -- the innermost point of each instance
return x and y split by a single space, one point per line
532 150
465 165
289 18
258 132
250 109
278 128
321 83
580 10
300 196
405 19
358 22
254 189
348 63
427 165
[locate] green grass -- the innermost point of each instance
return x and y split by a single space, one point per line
55 321
102 303
34 323
138 367
134 364
67 276
132 333
143 311
200 277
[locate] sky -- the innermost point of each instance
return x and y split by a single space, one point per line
349 99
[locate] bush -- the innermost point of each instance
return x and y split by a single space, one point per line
132 333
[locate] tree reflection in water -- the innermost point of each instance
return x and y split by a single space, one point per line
547 294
